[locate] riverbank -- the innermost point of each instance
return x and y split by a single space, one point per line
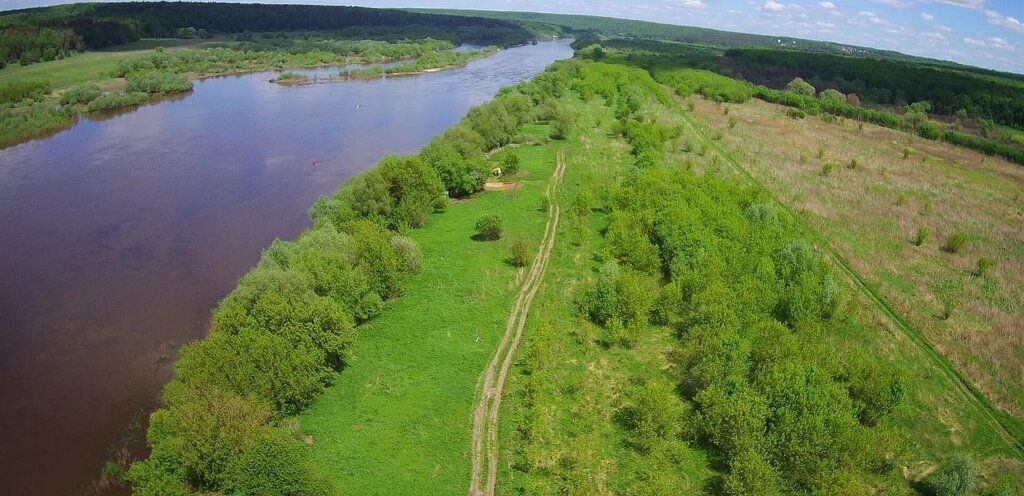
155 217
44 113
312 333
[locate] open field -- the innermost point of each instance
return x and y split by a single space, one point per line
92 66
398 420
860 216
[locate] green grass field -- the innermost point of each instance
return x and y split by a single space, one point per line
92 66
398 420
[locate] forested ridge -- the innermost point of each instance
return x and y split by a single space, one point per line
46 33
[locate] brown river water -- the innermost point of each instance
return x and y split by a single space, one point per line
118 237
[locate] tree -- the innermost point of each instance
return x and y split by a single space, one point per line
416 188
832 96
956 477
562 124
488 227
509 162
801 87
749 474
195 439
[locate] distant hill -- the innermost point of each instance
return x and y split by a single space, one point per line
608 27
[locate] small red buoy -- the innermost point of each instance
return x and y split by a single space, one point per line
314 162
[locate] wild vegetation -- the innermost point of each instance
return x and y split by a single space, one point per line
428 62
708 72
163 71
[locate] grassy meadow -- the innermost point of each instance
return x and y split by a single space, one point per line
99 66
398 419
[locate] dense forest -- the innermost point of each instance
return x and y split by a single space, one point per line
47 33
887 82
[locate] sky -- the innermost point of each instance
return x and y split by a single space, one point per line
985 33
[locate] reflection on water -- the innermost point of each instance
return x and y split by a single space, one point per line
120 234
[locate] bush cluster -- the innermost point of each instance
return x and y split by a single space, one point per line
778 406
83 93
157 82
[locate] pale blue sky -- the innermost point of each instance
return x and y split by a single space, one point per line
987 33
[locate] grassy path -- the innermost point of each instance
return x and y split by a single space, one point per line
485 416
1008 429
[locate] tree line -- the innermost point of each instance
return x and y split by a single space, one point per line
888 82
45 33
673 68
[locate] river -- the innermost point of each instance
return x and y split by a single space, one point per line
119 236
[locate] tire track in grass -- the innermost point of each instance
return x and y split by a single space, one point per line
1006 429
485 415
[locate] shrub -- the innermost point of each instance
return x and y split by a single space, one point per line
83 93
510 162
821 152
956 477
690 105
652 412
984 266
827 168
488 228
796 113
732 122
157 82
113 101
956 242
520 253
922 236
803 157
276 463
800 87
410 258
832 96
853 163
907 151
929 130
666 306
13 92
400 191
